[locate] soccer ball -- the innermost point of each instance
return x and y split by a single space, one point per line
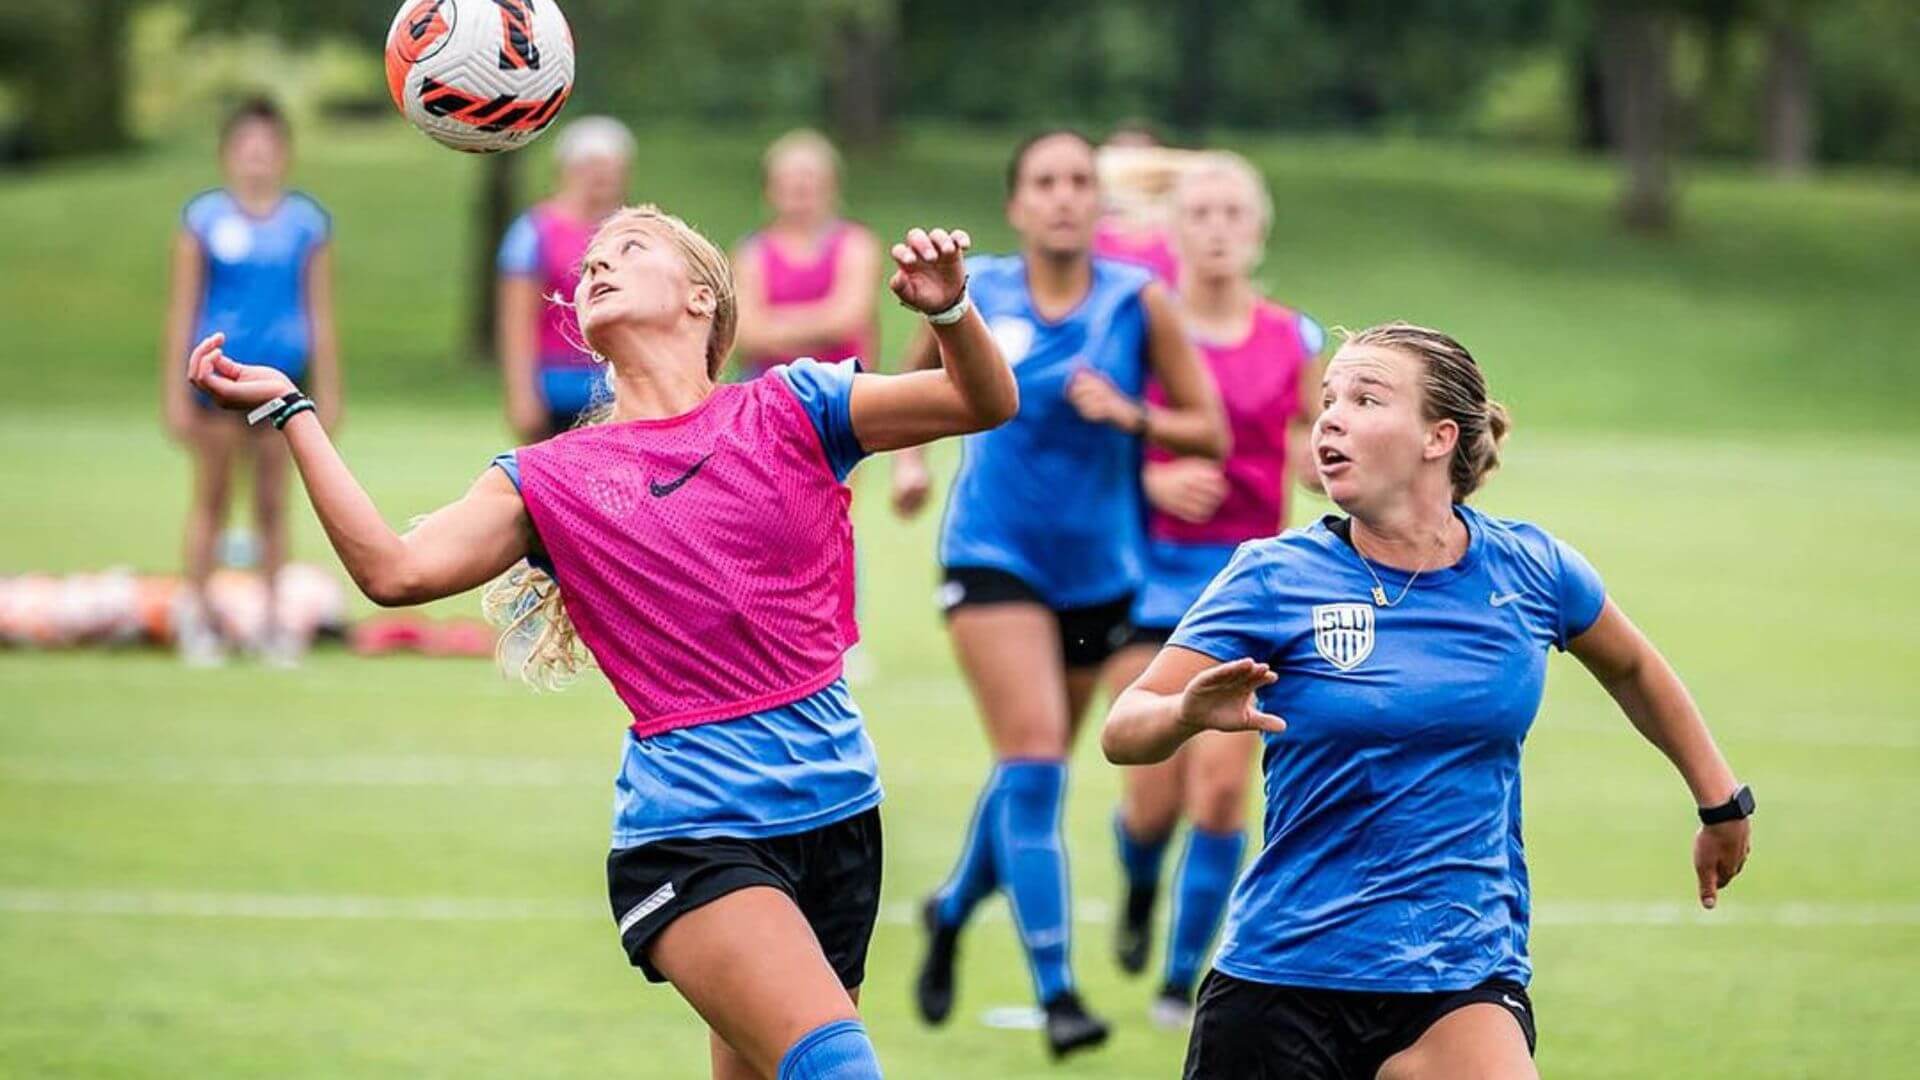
480 75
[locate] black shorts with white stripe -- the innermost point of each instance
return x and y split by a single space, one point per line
832 873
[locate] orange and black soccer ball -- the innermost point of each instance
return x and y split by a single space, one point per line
480 75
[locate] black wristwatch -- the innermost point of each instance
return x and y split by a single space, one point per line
1740 806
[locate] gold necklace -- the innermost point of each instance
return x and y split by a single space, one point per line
1379 590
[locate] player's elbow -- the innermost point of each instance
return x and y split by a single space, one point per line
999 407
391 587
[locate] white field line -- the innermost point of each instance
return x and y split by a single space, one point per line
118 903
396 771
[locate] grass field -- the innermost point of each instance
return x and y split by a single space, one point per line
393 868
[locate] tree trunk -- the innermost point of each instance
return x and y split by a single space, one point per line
1788 125
1197 40
493 206
1636 48
859 82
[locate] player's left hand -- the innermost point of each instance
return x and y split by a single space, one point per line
1719 854
930 270
1098 401
230 384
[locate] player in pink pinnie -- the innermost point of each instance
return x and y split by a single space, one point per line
702 552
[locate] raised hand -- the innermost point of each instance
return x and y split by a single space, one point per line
930 271
1098 401
230 384
1221 698
1719 853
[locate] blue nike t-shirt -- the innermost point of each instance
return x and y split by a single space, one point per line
256 276
789 769
1392 858
1049 497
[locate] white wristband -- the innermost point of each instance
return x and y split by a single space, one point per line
953 314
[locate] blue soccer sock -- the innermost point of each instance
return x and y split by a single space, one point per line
973 878
1140 859
1202 885
1032 864
834 1051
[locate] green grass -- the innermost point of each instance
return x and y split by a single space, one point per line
1752 502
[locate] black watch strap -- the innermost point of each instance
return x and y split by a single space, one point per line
1740 806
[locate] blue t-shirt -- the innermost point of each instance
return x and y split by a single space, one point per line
256 272
519 254
784 770
1048 497
1176 575
1392 858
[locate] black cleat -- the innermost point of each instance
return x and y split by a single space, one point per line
933 990
1133 937
1070 1027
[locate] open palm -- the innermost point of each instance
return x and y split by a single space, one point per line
930 270
1221 698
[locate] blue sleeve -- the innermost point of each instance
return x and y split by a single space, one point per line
1313 336
520 249
197 216
1235 617
318 223
1580 592
826 392
508 462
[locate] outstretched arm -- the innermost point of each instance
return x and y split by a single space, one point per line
1652 696
1181 694
973 389
456 548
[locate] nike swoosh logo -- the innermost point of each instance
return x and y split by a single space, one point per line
1502 599
661 491
1512 1004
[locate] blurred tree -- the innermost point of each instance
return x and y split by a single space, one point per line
68 64
1636 60
858 41
1787 109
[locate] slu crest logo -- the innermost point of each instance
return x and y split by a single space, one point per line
1343 633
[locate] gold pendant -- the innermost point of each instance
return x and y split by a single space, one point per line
1379 596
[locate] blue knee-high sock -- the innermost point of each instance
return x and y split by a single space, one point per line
1032 863
1140 859
836 1051
973 878
1202 885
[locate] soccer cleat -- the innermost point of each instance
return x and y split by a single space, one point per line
1070 1027
933 990
1133 936
1172 1010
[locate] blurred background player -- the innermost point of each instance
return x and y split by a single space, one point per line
1136 176
806 279
1040 548
746 852
551 378
1395 659
1264 359
252 260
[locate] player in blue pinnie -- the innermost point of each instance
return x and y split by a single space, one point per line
1041 546
1382 930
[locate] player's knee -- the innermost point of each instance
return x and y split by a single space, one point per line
1218 807
839 1050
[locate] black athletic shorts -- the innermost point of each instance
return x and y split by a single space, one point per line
832 873
1251 1031
1088 635
1155 636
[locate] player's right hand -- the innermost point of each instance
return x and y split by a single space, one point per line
1190 489
230 384
911 483
527 418
1221 698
